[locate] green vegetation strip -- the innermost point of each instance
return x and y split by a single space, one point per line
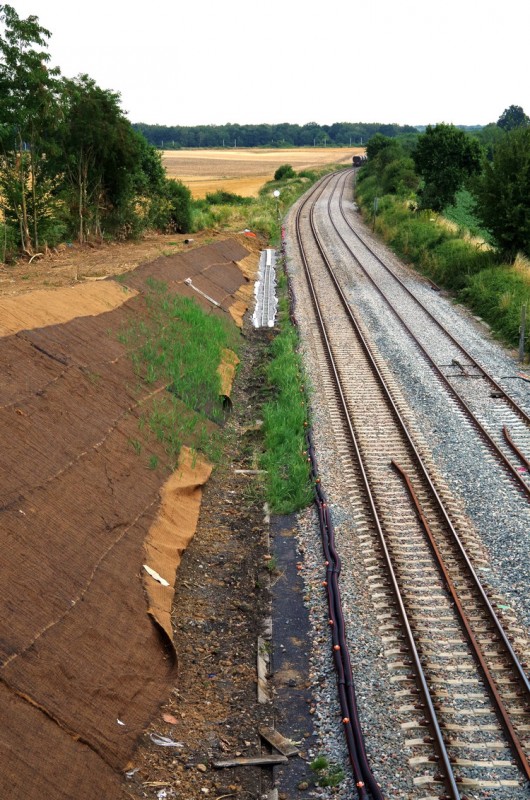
263 214
475 272
285 419
180 345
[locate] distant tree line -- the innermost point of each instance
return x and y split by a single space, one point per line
71 164
492 163
339 134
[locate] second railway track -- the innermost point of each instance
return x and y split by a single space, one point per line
455 673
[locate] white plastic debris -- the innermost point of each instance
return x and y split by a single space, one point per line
155 575
164 741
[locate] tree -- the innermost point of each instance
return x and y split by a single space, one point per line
489 136
377 143
445 157
513 117
28 119
110 171
503 193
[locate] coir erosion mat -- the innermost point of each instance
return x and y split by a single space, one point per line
84 666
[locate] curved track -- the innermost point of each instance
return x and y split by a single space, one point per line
462 375
442 636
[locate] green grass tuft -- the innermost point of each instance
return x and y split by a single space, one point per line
284 425
179 345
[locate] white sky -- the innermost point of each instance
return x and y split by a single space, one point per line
213 61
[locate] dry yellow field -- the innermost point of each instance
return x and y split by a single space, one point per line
244 171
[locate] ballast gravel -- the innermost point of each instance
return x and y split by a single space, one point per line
496 509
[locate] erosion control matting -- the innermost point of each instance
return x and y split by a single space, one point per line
84 666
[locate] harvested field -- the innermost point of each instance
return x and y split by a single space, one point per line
244 171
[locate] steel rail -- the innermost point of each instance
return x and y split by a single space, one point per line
500 630
517 666
512 444
523 484
475 646
513 403
419 675
363 776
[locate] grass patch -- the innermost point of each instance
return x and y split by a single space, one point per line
232 213
284 421
179 345
497 295
328 774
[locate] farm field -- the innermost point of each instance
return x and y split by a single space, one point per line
244 171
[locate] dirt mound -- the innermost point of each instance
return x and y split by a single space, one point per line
83 667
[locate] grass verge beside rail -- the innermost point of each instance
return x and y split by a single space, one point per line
231 213
491 289
285 416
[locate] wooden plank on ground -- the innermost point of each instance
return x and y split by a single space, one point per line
279 742
253 761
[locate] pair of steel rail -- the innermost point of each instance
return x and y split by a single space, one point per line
365 782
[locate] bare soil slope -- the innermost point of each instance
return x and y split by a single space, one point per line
83 667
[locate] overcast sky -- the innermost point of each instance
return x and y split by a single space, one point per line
211 62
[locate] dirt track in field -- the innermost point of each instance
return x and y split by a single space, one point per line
244 171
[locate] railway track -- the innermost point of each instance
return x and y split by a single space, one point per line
460 685
469 382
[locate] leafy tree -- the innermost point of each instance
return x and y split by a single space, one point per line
111 173
489 136
376 144
280 135
513 117
503 193
445 157
28 119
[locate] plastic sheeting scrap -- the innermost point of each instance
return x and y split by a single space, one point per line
164 741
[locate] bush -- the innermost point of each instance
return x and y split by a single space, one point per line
227 198
173 209
52 231
463 213
399 177
308 173
284 172
8 243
